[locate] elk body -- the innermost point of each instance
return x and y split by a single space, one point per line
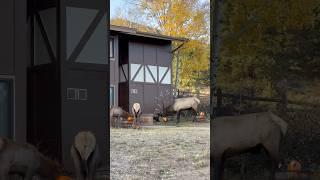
85 155
116 116
26 161
136 110
233 135
182 104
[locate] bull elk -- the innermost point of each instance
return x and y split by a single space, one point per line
85 155
179 105
116 116
233 135
25 160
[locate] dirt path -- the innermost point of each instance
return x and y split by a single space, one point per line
161 153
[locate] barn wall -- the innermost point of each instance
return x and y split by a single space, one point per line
114 69
150 94
85 72
123 61
7 37
88 112
13 55
44 127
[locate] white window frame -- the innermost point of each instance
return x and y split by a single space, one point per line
147 70
112 58
167 72
133 76
114 94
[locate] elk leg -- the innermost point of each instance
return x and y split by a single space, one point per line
243 168
139 121
113 121
77 163
118 121
178 117
273 152
93 163
195 115
217 168
134 123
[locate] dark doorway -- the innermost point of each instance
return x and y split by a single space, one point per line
6 110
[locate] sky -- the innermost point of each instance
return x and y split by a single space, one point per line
114 4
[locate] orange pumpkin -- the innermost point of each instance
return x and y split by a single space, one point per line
130 118
202 114
63 178
294 166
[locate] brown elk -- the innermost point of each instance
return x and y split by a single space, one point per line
136 110
25 160
179 105
117 114
233 135
85 155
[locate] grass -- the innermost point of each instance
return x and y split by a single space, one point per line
161 153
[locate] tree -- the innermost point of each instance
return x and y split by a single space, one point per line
264 42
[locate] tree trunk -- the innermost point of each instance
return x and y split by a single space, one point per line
215 17
215 23
177 75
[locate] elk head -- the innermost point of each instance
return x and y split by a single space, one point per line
164 113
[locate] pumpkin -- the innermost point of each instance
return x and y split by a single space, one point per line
130 118
294 166
63 178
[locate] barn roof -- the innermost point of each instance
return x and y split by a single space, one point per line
135 32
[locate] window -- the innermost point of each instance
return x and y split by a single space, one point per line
123 73
151 74
137 72
167 78
83 95
77 94
111 53
112 94
164 75
71 93
86 39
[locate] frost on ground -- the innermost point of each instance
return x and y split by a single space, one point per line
161 152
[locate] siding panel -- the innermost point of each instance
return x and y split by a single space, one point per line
7 37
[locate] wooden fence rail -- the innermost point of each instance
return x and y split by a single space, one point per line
282 101
265 99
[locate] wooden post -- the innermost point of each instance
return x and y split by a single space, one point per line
281 88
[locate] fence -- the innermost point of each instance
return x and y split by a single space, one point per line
231 104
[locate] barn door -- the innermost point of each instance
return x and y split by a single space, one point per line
6 101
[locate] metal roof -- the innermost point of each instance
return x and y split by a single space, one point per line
135 32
